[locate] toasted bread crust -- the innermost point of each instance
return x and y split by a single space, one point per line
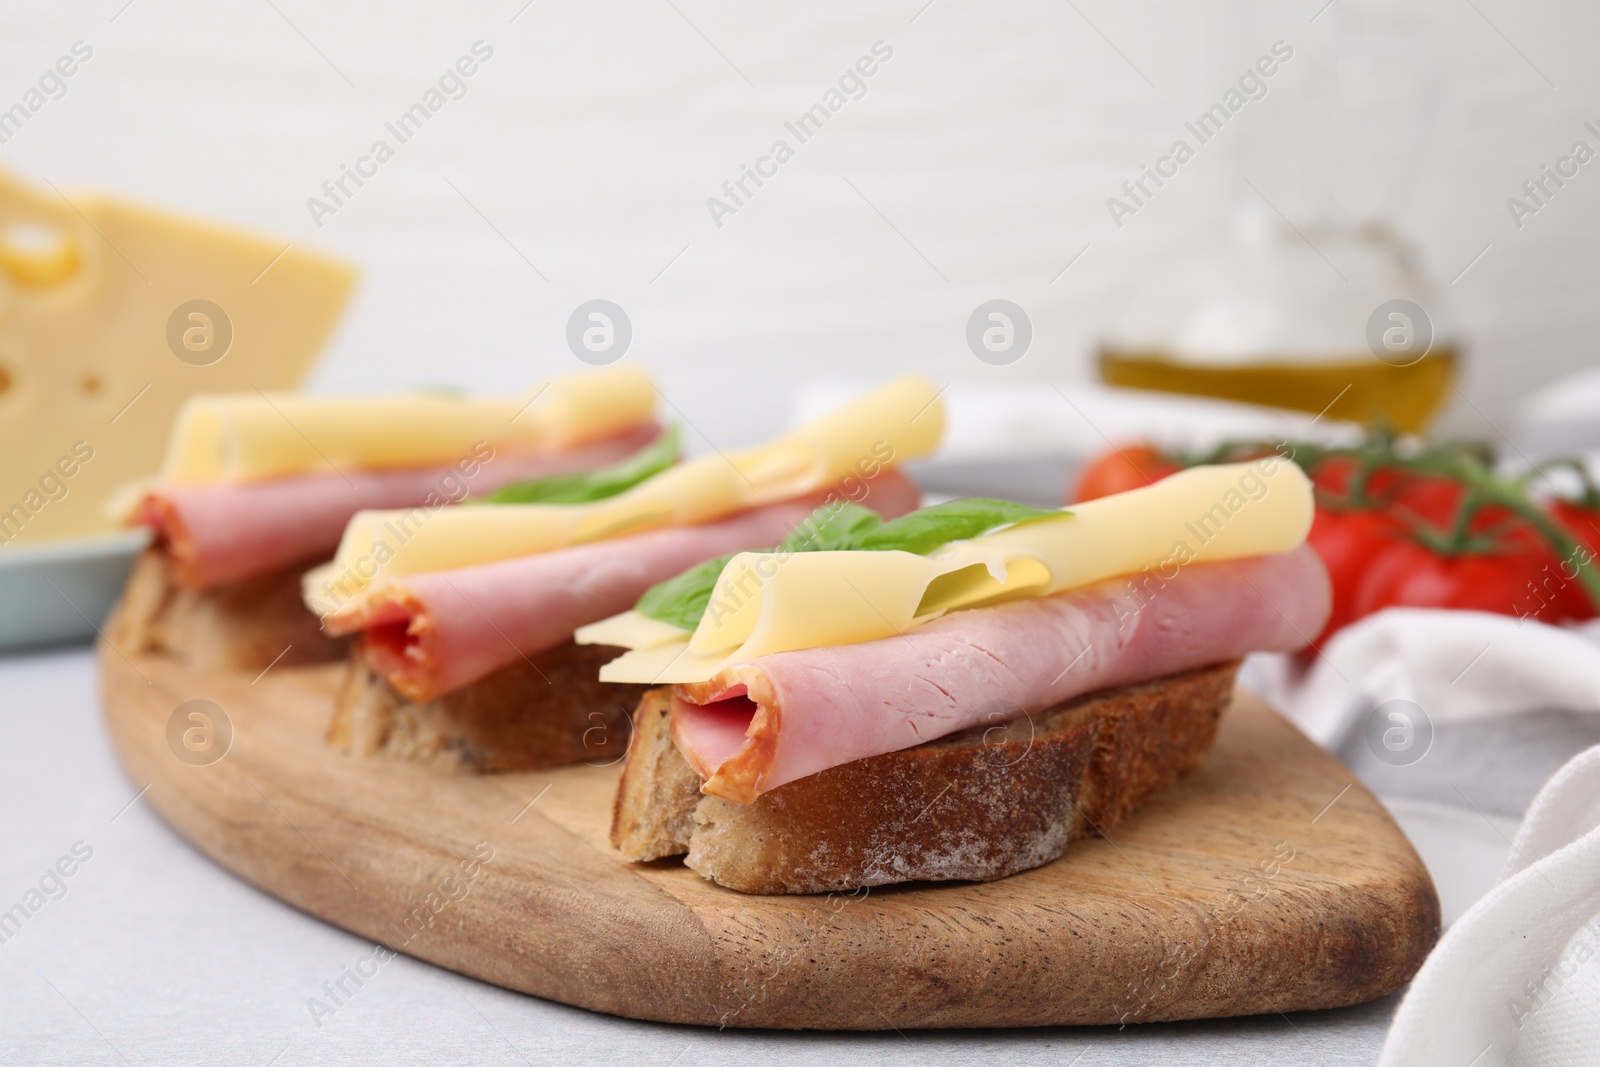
239 626
653 815
545 711
977 805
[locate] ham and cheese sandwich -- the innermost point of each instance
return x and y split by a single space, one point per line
1050 672
466 623
256 487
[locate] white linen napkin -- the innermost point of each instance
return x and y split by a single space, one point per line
1456 665
1458 708
1516 981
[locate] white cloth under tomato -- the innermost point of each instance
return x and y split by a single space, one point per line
1456 665
1516 981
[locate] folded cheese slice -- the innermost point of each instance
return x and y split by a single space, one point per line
766 603
898 422
251 437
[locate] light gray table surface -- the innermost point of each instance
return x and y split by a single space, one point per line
153 954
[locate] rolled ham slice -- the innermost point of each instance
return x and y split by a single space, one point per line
223 533
758 725
430 634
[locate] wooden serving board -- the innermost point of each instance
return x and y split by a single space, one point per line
1266 881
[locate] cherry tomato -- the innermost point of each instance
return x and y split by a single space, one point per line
1410 574
1332 475
1583 523
1121 469
1420 496
1348 541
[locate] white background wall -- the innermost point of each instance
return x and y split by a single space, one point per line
976 166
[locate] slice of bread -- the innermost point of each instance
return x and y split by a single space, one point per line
548 710
974 806
241 626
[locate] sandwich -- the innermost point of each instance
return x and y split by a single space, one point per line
464 655
957 693
257 487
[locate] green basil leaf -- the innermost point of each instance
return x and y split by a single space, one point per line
582 487
924 531
831 527
683 599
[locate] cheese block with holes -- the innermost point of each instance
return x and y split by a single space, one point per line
111 315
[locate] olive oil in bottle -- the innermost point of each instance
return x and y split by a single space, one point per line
1320 317
1358 387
